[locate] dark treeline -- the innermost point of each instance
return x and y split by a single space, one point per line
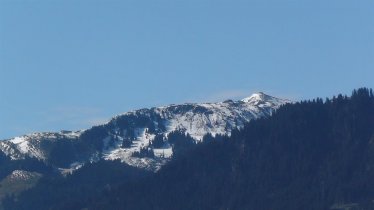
312 155
75 191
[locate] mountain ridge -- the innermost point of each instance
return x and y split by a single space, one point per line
134 131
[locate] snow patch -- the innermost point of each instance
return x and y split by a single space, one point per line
18 175
163 153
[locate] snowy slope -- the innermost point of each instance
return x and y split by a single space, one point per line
131 132
30 145
18 175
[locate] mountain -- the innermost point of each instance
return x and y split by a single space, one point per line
141 138
310 155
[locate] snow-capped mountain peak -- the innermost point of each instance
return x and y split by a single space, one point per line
256 97
261 99
127 135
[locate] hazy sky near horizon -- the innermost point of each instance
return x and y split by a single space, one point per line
70 64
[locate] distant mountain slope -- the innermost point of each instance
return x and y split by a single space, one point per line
309 155
17 182
140 137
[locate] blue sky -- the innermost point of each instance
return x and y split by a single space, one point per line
68 64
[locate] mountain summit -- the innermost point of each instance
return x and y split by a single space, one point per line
264 100
142 137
